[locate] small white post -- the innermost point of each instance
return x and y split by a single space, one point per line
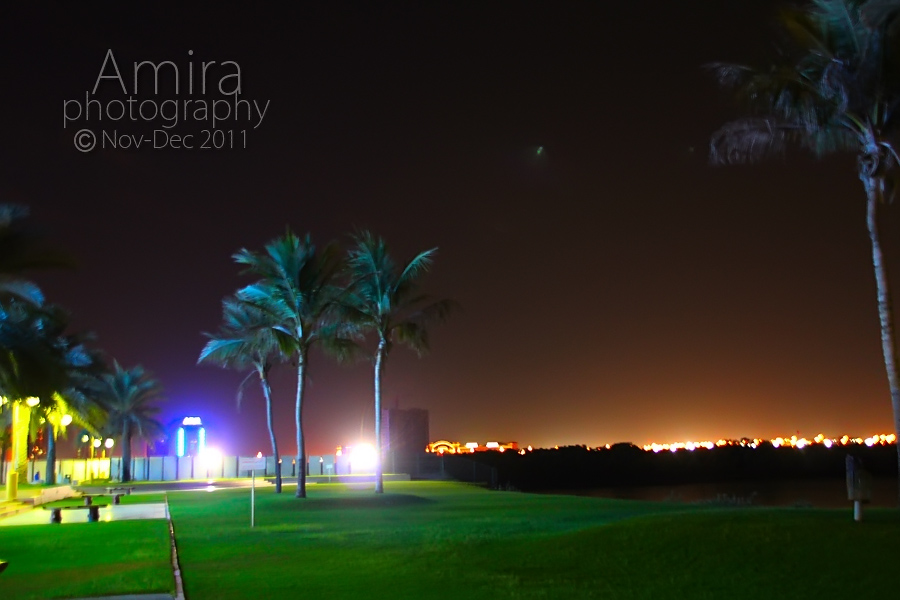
857 510
253 499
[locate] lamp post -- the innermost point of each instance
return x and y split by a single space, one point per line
95 443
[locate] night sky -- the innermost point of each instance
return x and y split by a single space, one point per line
615 286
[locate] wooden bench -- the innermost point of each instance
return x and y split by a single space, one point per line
89 498
120 490
56 512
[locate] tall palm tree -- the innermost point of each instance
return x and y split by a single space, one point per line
835 88
245 341
385 300
129 396
74 402
297 287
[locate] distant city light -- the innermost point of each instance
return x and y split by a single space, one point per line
778 442
444 446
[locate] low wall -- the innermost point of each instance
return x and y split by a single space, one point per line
172 468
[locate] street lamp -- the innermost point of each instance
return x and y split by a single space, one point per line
107 445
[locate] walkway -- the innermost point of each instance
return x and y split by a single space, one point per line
113 512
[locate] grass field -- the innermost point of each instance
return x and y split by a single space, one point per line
85 559
427 540
438 540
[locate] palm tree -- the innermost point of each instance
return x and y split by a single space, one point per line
129 396
298 289
32 370
74 403
385 300
245 341
836 89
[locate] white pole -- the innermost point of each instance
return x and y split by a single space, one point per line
857 510
253 499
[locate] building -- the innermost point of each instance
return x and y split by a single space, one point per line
190 437
404 438
447 447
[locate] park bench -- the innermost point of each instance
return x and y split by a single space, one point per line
120 489
56 512
89 498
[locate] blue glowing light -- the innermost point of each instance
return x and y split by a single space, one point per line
179 443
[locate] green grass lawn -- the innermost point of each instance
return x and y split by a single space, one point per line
438 540
424 540
85 559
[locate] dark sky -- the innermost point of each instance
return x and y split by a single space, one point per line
615 287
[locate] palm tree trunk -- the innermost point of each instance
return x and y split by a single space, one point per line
379 366
298 417
888 346
50 475
20 444
126 452
267 393
12 475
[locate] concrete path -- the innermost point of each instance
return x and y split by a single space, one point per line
121 512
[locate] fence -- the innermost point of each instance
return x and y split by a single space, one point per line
171 468
166 468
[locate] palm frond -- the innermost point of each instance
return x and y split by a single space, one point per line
748 141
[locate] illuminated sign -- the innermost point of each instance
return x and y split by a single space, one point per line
179 444
191 421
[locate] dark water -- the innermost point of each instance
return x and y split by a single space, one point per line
817 493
